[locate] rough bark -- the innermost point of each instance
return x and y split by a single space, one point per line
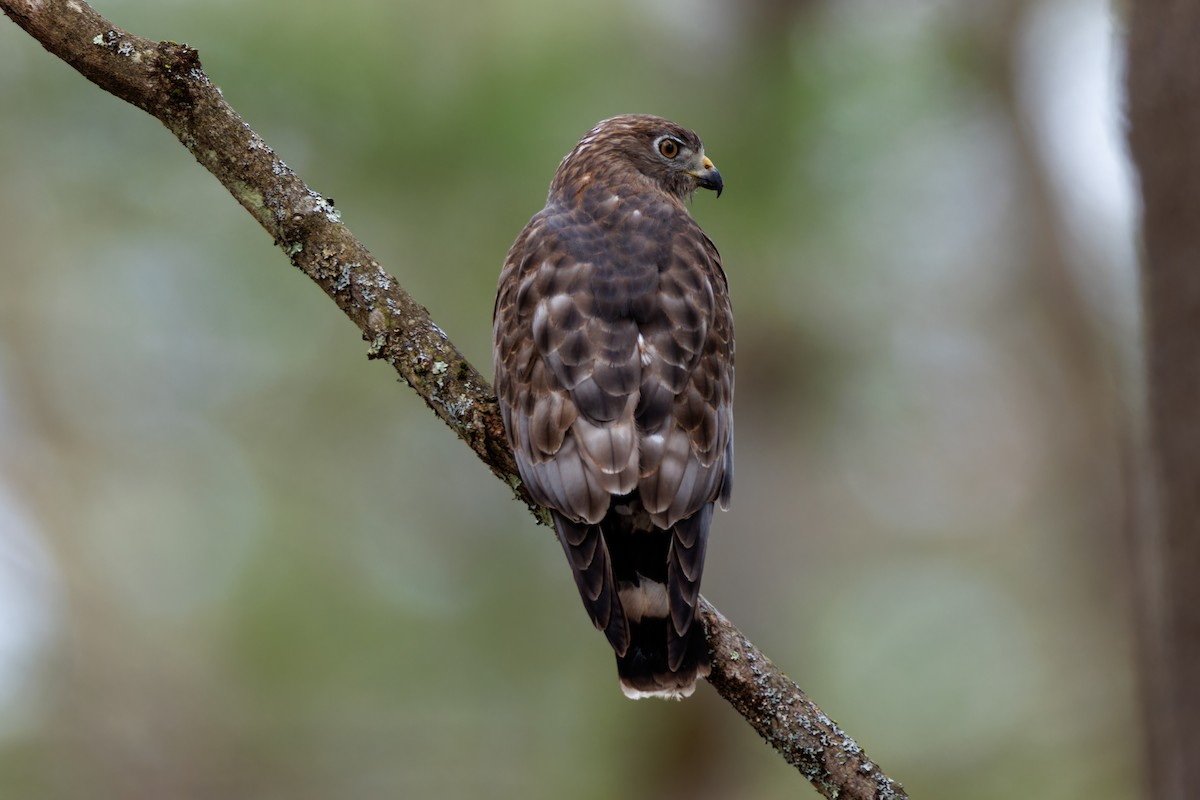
166 80
1164 136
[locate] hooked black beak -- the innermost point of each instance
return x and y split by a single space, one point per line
710 177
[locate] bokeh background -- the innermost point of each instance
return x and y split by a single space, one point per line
239 560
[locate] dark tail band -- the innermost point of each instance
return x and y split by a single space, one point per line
644 671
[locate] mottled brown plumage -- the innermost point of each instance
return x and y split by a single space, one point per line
613 347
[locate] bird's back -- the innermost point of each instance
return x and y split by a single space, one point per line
614 371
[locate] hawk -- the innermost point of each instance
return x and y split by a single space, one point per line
613 348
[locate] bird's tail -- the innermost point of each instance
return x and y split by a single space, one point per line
646 670
641 587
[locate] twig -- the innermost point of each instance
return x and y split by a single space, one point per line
165 79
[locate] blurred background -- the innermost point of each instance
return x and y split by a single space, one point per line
237 559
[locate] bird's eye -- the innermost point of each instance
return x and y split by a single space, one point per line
668 147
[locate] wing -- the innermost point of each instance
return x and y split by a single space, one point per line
685 407
567 375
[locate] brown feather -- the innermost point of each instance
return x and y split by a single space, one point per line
613 349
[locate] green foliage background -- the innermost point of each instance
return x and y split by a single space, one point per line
237 559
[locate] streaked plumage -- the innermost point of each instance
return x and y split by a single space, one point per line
613 347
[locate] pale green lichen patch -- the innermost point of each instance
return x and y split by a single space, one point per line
112 40
320 205
377 345
459 406
323 206
248 196
343 281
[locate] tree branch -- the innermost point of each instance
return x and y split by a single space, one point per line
165 79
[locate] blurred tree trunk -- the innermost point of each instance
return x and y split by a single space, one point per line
1164 113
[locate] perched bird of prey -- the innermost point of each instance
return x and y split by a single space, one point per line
613 348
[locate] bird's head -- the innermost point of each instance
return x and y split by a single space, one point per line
625 147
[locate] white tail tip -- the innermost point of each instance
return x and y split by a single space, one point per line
674 693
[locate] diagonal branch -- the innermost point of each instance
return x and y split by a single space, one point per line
165 79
